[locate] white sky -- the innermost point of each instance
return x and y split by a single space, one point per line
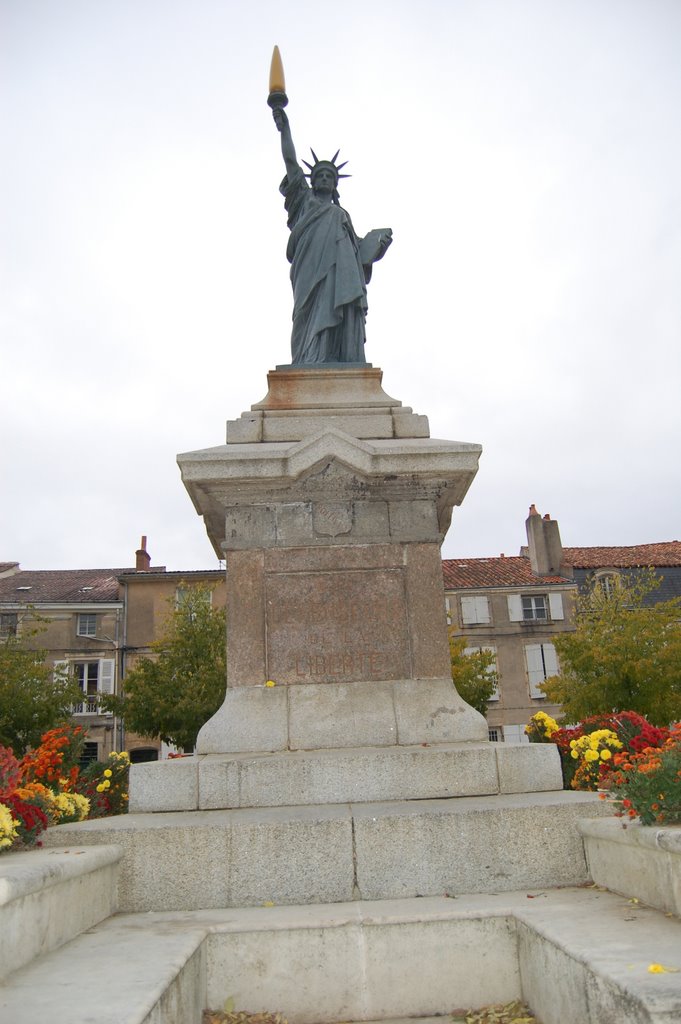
527 155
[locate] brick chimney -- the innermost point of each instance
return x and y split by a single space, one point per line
544 544
142 558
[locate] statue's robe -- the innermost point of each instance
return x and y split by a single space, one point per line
329 283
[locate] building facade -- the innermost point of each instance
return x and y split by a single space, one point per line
94 624
513 607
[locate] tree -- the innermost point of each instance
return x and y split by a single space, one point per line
33 697
624 654
172 694
474 674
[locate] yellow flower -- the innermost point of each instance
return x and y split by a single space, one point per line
101 787
270 683
107 773
605 755
590 755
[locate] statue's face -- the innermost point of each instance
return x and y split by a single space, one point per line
324 180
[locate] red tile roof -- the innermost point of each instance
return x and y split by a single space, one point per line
665 553
460 573
61 585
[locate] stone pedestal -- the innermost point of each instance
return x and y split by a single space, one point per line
329 503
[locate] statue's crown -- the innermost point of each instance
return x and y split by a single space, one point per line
331 164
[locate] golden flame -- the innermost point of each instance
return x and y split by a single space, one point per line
277 81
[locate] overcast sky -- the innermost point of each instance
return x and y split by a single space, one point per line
527 155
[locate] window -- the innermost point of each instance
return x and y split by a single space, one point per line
87 625
90 754
491 669
496 735
474 609
608 582
95 679
535 607
541 664
8 624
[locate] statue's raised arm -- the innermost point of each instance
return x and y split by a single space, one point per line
330 263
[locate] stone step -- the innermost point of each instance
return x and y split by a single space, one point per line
366 774
343 852
47 897
571 954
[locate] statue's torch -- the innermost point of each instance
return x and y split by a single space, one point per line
277 96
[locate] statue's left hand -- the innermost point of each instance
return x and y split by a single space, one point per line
385 242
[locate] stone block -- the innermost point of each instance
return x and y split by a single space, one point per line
476 844
371 522
413 521
341 715
431 711
49 897
249 526
294 524
367 967
171 785
246 430
638 861
426 617
344 776
528 767
457 962
210 859
251 718
295 428
408 424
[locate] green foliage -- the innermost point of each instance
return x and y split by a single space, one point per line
623 654
474 675
172 694
33 698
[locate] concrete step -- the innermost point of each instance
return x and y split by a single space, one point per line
47 897
571 954
358 774
343 852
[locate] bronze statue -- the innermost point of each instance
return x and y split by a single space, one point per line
330 264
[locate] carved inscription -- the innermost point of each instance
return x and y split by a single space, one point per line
341 626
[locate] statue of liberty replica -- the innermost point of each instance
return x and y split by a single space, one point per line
330 264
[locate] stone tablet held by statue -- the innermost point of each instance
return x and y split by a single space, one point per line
330 264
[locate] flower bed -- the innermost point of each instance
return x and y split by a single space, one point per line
48 787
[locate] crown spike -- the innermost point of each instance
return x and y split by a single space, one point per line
333 158
314 155
338 166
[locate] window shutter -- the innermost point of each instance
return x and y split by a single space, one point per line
106 675
535 668
556 606
515 608
550 660
481 608
515 734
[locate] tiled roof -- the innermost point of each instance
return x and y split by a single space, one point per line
60 585
666 553
8 567
515 571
